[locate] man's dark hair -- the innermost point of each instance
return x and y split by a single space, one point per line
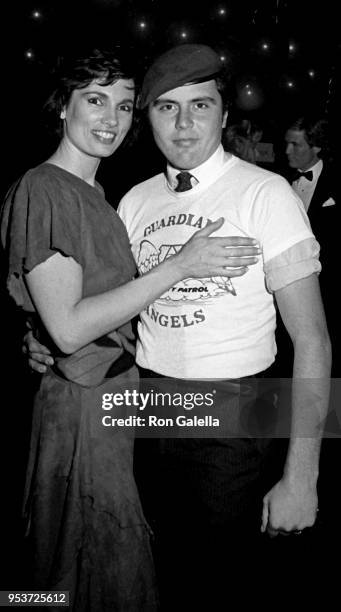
224 87
315 130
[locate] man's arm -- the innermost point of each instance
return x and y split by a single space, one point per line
292 502
39 356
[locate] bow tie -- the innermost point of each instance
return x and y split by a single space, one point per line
308 175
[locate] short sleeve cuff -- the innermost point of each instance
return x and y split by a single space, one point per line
299 261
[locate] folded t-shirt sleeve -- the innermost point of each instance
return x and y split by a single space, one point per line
299 261
277 217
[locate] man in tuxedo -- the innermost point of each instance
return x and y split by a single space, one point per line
312 177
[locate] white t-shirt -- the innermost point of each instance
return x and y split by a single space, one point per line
212 327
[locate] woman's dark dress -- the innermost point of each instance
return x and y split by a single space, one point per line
82 508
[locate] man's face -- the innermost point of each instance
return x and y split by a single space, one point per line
187 123
299 153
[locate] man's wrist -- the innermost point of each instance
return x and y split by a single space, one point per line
301 477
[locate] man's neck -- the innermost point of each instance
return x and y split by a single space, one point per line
311 166
202 173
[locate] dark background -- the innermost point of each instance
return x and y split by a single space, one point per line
288 51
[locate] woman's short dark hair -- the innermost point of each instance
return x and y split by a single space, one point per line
77 72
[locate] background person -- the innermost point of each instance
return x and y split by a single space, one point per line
242 139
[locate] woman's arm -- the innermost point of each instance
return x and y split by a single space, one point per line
56 285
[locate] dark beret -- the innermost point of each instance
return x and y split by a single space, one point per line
180 65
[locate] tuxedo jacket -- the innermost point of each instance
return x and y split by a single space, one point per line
323 211
324 215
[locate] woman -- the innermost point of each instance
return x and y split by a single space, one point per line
70 265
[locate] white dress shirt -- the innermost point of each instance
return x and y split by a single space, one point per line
204 172
304 188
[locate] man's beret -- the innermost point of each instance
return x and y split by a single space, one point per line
180 65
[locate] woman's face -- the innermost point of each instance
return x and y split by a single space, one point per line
98 117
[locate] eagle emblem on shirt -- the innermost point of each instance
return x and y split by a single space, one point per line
149 256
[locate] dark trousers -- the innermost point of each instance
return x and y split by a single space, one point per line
203 500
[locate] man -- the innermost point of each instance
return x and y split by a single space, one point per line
311 176
314 180
228 334
205 496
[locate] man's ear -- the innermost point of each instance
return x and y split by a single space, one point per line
225 115
317 150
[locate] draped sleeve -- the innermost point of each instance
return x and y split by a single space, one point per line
38 220
51 210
